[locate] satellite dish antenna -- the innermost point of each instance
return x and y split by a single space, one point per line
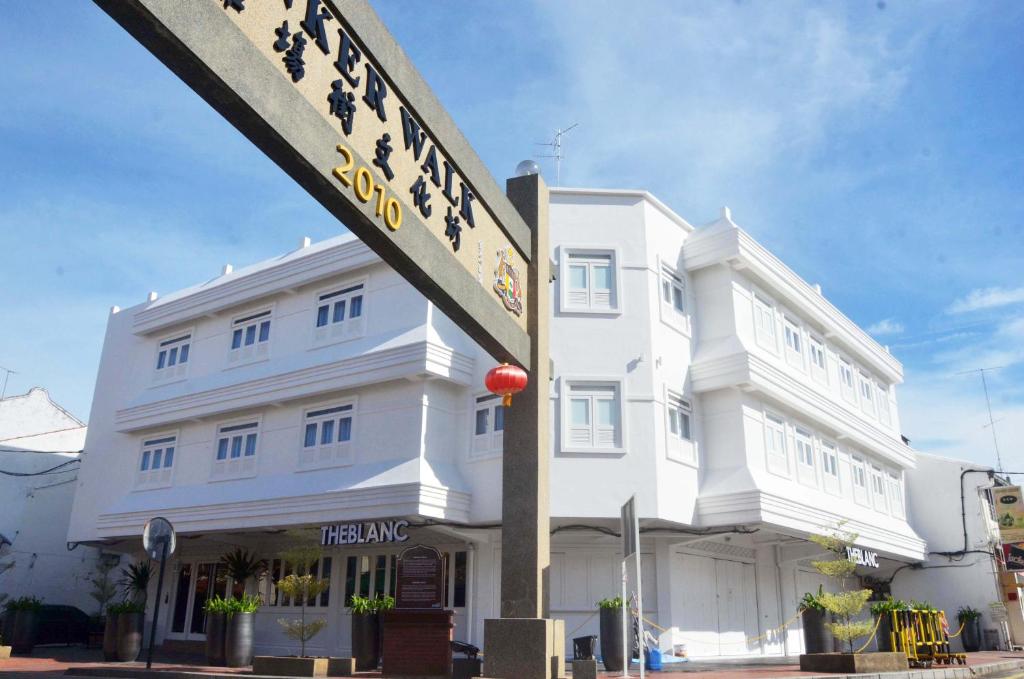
159 541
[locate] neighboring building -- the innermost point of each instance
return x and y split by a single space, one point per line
963 566
691 367
40 446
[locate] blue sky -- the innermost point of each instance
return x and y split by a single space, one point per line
876 147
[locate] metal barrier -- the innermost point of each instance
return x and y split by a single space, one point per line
924 636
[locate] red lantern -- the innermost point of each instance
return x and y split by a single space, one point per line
506 380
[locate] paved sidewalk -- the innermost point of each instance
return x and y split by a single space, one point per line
52 662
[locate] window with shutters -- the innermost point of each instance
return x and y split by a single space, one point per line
830 467
816 352
679 416
593 417
846 380
327 434
340 314
235 448
673 292
589 281
172 357
488 426
250 337
156 461
867 394
858 469
764 322
882 396
794 343
806 471
878 488
775 444
895 482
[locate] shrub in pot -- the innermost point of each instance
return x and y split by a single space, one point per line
110 632
970 618
812 618
883 611
365 633
238 631
130 622
612 653
21 621
216 609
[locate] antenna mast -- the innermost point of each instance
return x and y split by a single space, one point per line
556 147
988 404
7 373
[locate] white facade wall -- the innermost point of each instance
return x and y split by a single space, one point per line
37 435
653 324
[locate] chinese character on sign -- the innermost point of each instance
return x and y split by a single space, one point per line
281 44
293 58
420 197
343 105
383 152
453 230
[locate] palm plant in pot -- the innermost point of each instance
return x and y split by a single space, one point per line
612 653
970 618
366 629
884 611
21 620
132 615
242 567
812 618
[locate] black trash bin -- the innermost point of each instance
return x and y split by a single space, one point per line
583 647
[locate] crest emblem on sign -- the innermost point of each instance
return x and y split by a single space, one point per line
506 281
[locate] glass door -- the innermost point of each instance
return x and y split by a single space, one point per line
196 583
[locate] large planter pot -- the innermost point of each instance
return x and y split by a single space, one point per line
5 652
238 640
970 637
883 640
366 641
290 666
129 636
853 663
612 654
815 638
23 634
110 638
216 627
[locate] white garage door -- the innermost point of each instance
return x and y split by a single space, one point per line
714 604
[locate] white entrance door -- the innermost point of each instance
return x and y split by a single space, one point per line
196 582
714 604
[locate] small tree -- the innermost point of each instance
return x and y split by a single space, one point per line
847 604
302 586
241 566
103 588
135 580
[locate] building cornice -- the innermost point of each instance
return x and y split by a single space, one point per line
413 360
292 271
355 504
626 193
757 506
749 372
725 243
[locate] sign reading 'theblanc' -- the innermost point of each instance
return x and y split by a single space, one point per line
323 89
369 533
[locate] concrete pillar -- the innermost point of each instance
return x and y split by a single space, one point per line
524 644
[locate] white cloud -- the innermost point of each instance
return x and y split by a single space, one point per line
886 326
987 298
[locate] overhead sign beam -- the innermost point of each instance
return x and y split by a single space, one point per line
322 88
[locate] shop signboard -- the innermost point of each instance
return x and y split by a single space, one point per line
323 89
862 557
366 533
420 579
1009 508
1013 556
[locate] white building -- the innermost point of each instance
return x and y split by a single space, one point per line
691 367
39 456
962 567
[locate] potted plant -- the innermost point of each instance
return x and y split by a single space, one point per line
366 629
970 618
845 608
612 653
216 609
241 566
110 632
132 615
302 587
238 633
23 614
130 619
812 618
883 611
